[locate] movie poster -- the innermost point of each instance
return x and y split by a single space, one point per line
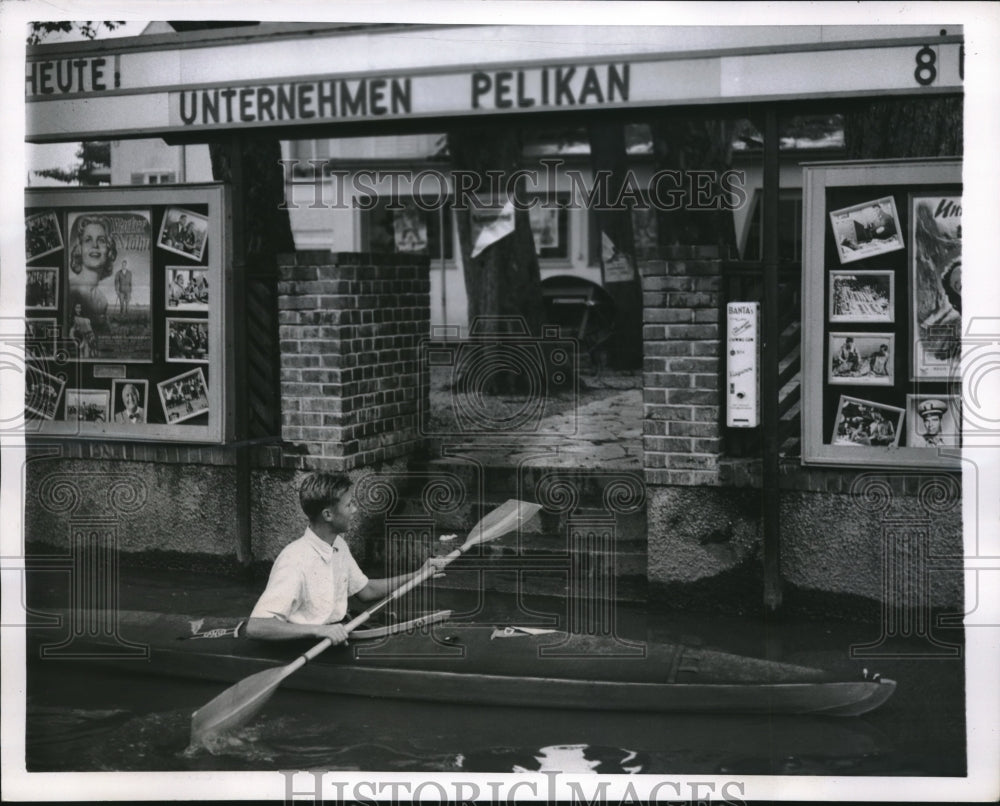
867 229
863 423
936 280
410 229
108 285
544 227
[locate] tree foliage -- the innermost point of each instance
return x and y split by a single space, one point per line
93 166
88 30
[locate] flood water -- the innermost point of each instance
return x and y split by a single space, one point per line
83 717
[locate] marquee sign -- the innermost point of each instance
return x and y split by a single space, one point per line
145 92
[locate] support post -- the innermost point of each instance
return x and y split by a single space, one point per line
769 375
239 255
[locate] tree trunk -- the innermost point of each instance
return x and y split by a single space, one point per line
904 127
686 144
503 283
620 275
267 229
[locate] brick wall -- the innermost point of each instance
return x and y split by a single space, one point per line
349 328
682 437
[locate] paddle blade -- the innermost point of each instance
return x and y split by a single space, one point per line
235 706
502 520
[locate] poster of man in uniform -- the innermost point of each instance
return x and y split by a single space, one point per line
109 256
41 235
183 233
933 421
936 280
862 296
867 229
865 359
864 423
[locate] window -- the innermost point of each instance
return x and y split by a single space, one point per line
882 277
154 178
789 228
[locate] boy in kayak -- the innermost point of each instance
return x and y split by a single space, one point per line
312 577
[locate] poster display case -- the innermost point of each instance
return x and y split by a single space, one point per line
127 310
882 313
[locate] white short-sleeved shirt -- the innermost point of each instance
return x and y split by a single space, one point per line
310 582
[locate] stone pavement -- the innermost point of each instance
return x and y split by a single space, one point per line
602 433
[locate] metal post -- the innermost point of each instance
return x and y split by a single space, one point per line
769 375
444 277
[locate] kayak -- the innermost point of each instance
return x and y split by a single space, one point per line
433 659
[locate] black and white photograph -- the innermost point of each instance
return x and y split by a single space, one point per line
187 340
864 423
40 336
87 405
933 421
183 232
862 296
409 227
866 230
864 359
187 289
184 396
41 288
130 398
449 503
42 393
41 235
936 279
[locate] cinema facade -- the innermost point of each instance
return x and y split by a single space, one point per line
802 417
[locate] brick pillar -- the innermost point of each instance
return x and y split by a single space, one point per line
349 329
682 437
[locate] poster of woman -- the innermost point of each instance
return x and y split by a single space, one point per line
107 284
936 279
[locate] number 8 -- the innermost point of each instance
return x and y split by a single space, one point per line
926 72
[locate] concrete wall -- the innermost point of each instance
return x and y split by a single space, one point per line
161 509
836 538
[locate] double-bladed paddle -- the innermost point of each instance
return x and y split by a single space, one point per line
237 704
